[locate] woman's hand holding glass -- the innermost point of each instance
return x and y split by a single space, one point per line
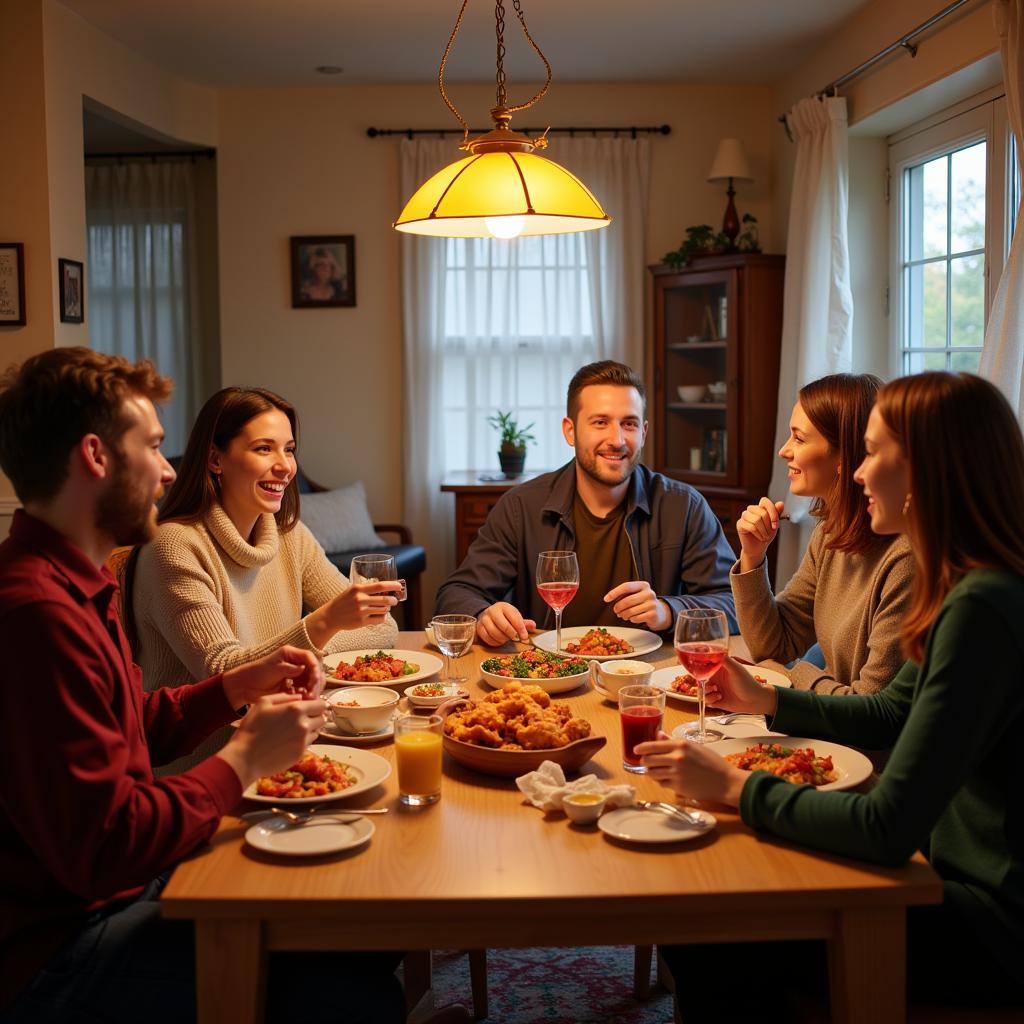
733 687
362 604
691 771
756 528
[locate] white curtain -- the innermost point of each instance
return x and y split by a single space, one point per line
817 321
140 217
1002 359
496 325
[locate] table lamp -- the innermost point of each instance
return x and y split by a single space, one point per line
730 164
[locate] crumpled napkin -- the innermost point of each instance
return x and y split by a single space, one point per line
546 787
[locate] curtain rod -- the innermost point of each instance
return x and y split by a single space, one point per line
410 132
903 43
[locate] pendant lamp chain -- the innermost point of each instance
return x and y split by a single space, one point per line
501 114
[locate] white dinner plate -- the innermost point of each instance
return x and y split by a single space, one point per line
429 666
853 767
363 739
276 835
635 825
369 769
663 677
643 641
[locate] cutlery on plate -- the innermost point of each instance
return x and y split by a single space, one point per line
693 820
301 817
726 719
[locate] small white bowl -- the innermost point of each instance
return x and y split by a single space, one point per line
373 709
424 701
583 808
691 392
717 391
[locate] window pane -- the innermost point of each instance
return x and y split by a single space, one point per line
915 362
926 210
968 362
926 306
967 301
967 220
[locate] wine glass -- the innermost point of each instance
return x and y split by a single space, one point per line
453 635
558 579
701 642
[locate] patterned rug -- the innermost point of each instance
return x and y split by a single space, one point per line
589 985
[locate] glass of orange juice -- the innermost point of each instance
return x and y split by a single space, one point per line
418 752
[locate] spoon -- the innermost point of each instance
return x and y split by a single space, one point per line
670 809
726 719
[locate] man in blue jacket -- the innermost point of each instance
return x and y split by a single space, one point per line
647 546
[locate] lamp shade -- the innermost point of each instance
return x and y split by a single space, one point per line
730 162
501 194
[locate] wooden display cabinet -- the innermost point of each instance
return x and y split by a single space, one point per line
717 330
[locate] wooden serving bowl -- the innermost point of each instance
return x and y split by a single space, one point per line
511 763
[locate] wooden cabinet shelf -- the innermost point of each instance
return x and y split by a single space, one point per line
732 307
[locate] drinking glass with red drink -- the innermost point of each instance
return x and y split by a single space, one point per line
558 579
641 709
702 643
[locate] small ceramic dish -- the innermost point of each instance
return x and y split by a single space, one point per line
691 392
421 696
359 710
583 808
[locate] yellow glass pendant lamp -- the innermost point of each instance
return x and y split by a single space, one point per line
503 189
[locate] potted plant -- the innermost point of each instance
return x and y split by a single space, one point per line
512 453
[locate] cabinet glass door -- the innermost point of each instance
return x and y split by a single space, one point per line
700 421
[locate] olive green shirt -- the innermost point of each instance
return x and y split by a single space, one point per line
606 560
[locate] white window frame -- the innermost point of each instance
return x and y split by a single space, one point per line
982 117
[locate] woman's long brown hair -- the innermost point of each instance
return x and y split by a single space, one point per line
839 406
966 456
219 422
193 492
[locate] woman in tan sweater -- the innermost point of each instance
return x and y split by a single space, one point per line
852 589
232 572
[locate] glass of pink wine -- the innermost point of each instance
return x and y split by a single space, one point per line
702 643
558 579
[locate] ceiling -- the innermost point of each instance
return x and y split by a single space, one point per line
246 43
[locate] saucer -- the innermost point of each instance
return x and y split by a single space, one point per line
328 732
636 825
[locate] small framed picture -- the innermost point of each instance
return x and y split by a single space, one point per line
12 284
323 270
71 275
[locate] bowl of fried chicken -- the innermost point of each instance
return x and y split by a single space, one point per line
512 730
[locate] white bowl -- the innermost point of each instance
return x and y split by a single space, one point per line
433 702
613 675
373 709
717 391
583 808
691 392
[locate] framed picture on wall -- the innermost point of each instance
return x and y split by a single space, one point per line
12 284
71 277
323 270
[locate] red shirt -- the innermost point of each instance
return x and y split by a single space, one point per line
83 822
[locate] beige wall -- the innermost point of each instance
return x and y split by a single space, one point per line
24 196
961 40
298 161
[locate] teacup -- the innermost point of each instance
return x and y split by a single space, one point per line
611 676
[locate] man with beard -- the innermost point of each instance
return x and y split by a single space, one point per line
87 834
647 546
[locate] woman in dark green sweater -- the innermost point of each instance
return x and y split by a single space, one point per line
945 465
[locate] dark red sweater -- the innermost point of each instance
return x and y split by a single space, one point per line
83 822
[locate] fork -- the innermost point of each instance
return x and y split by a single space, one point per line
301 818
693 820
726 719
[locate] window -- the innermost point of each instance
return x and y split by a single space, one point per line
953 220
517 326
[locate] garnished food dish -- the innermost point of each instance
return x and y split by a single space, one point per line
430 690
517 717
311 775
534 664
374 668
598 641
799 765
688 686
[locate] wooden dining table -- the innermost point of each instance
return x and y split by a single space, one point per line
482 868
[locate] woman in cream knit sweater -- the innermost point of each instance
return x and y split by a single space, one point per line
852 589
233 573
